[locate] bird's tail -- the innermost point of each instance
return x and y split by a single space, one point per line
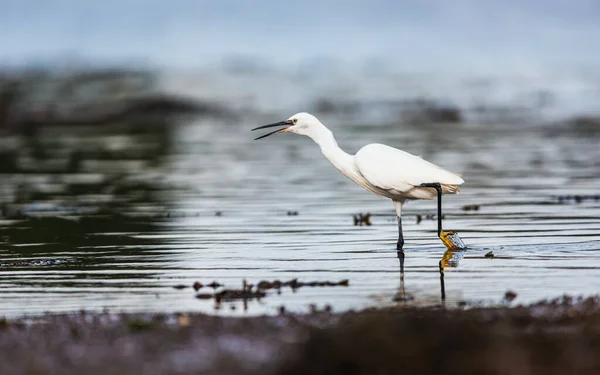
450 189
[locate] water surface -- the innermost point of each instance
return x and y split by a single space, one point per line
123 216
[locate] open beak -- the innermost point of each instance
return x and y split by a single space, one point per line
286 124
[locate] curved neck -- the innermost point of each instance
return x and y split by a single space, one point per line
340 159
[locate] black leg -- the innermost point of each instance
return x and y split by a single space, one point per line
400 243
438 188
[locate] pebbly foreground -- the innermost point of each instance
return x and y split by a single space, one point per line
555 337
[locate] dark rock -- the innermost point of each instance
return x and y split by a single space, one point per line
197 286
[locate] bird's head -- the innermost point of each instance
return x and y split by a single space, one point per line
301 123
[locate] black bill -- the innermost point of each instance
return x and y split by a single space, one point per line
286 124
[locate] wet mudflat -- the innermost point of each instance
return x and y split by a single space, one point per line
559 337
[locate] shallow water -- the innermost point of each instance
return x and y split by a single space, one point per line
202 202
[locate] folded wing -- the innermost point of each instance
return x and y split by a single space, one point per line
398 171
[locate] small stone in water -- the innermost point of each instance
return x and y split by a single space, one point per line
265 285
509 296
361 219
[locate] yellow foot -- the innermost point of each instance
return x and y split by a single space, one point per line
452 240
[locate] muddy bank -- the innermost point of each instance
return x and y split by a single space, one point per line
559 337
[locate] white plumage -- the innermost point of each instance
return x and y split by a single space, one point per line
401 173
381 169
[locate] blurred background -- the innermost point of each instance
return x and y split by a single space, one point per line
126 161
509 59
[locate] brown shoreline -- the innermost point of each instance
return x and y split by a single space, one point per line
558 337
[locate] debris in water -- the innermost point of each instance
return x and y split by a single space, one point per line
248 292
433 217
509 296
292 213
218 213
179 286
361 219
265 285
471 207
578 198
233 294
294 284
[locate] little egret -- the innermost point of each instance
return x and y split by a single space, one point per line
382 170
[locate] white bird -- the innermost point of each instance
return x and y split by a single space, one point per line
381 169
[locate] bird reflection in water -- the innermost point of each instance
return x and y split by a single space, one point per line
451 258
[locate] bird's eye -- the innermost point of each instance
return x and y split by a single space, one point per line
295 120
